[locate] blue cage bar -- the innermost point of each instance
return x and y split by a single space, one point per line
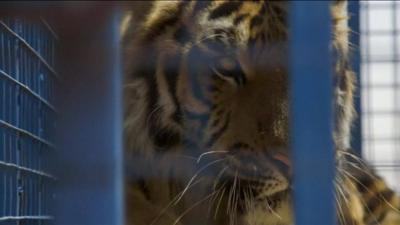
27 119
89 161
311 112
354 23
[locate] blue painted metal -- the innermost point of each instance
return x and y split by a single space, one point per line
90 159
354 23
311 112
27 81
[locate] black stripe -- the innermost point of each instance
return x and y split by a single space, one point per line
215 106
225 9
263 9
253 41
214 88
263 38
170 19
240 18
152 94
144 189
199 6
215 122
197 71
171 76
380 199
165 138
162 137
219 112
216 135
365 183
280 12
256 21
239 146
182 35
146 70
382 216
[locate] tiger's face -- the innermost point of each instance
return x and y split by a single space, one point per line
217 85
232 98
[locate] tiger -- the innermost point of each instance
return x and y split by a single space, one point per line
206 117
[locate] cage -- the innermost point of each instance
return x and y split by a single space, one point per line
27 119
76 176
379 36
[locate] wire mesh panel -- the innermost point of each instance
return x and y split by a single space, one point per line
380 84
27 81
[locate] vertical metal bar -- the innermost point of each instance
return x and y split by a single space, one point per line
354 23
311 112
117 106
91 143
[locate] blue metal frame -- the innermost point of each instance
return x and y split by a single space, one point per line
27 116
354 23
90 157
311 112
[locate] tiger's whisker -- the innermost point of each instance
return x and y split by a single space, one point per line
172 202
219 177
366 205
192 207
273 211
196 174
341 215
208 153
234 197
220 200
367 189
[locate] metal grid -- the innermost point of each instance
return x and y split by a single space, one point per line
380 87
27 81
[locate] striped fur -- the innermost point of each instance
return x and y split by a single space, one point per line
206 117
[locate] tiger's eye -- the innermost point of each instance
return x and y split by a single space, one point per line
229 70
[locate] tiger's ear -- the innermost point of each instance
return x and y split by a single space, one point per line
163 16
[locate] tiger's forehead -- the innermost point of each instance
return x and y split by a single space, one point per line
235 17
240 7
